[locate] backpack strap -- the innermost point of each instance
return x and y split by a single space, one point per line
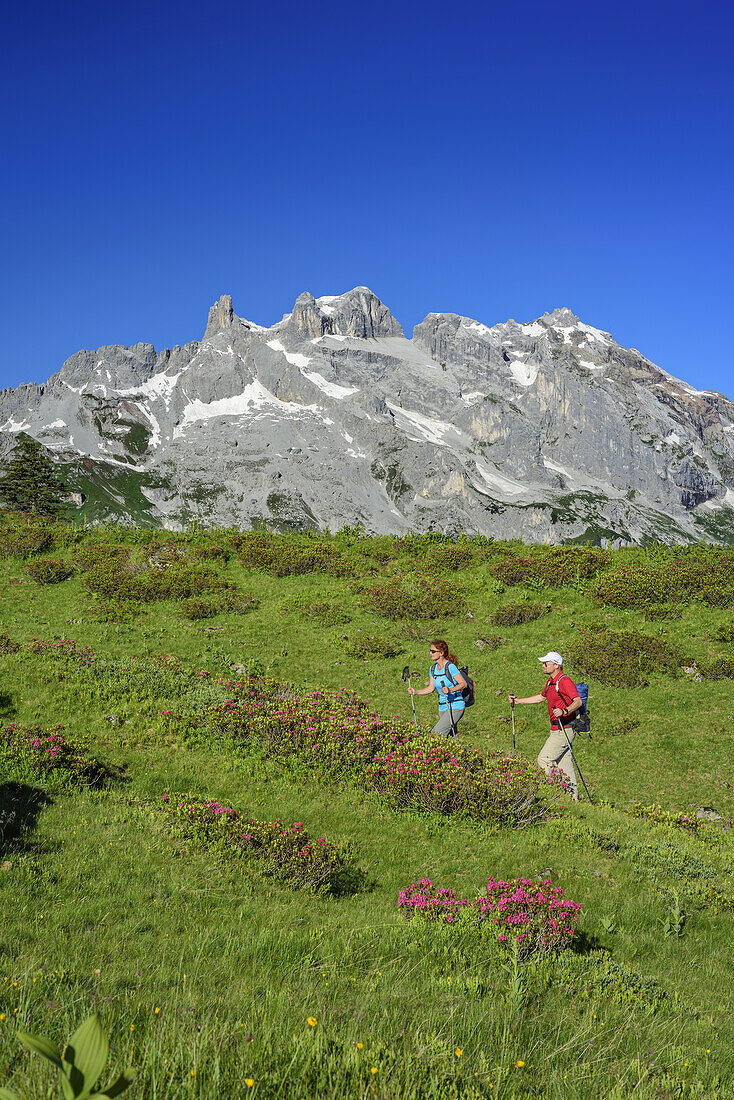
566 701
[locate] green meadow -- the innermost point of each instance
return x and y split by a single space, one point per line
215 978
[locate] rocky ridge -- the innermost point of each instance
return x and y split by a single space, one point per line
546 431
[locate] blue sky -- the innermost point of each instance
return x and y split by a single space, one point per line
491 160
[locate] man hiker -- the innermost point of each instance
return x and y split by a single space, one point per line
563 700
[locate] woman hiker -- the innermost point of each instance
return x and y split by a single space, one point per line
448 682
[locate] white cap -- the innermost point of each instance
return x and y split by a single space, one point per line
555 657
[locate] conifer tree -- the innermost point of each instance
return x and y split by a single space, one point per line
30 482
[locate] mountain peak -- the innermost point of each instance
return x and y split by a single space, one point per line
221 316
563 317
357 312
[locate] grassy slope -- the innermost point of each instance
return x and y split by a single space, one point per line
103 908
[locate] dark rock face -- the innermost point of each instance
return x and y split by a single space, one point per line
547 431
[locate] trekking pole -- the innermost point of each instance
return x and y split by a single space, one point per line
575 761
454 731
512 711
406 676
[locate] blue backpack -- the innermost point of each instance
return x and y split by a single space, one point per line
582 722
467 693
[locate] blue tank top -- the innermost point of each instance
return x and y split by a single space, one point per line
445 677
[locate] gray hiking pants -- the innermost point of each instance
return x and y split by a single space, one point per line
444 724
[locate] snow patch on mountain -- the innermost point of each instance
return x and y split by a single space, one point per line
330 388
253 399
295 358
434 431
524 373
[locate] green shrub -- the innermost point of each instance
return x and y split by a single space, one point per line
366 646
552 567
689 823
282 556
284 851
705 575
622 658
448 558
724 632
49 570
663 612
100 554
7 645
239 602
21 535
512 614
132 580
66 648
198 607
421 597
211 551
721 668
324 611
37 752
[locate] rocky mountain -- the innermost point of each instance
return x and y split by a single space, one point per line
546 431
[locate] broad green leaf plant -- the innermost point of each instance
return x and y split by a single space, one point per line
79 1064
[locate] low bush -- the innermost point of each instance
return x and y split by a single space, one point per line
553 567
119 579
707 576
211 551
662 612
532 918
24 535
31 751
421 597
206 607
339 736
63 647
49 570
720 668
446 559
323 611
285 851
724 632
284 557
366 646
8 645
198 607
622 658
689 823
512 614
101 553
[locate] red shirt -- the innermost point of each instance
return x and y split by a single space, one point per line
559 693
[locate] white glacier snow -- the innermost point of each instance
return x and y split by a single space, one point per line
524 373
253 399
295 358
331 388
435 431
